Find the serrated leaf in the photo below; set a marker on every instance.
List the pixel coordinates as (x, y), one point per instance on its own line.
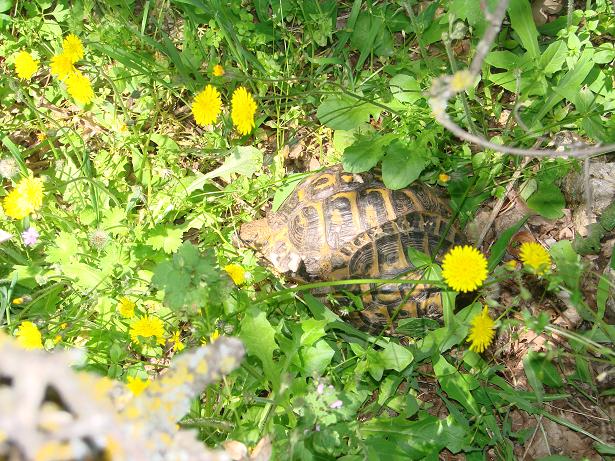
(258, 336)
(165, 238)
(455, 384)
(402, 164)
(396, 357)
(66, 249)
(548, 200)
(405, 88)
(365, 152)
(84, 276)
(345, 112)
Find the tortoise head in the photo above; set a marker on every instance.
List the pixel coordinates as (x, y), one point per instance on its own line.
(255, 234)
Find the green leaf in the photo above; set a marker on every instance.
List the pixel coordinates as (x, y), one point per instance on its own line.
(313, 330)
(66, 249)
(85, 277)
(5, 5)
(405, 88)
(396, 357)
(345, 112)
(543, 369)
(283, 192)
(522, 22)
(553, 58)
(532, 376)
(413, 440)
(502, 59)
(315, 359)
(242, 160)
(365, 152)
(498, 250)
(258, 336)
(165, 238)
(548, 200)
(568, 263)
(455, 384)
(402, 164)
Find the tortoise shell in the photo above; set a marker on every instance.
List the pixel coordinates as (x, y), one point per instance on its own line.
(341, 226)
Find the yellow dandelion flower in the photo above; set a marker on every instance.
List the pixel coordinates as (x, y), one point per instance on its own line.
(57, 339)
(206, 106)
(236, 272)
(464, 268)
(25, 65)
(73, 47)
(535, 256)
(126, 307)
(136, 385)
(214, 336)
(32, 189)
(147, 327)
(243, 108)
(177, 343)
(80, 88)
(29, 336)
(62, 66)
(443, 177)
(482, 331)
(218, 70)
(16, 206)
(462, 80)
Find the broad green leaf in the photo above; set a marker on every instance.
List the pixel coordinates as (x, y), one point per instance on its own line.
(283, 192)
(568, 263)
(165, 238)
(86, 277)
(405, 88)
(365, 152)
(396, 357)
(345, 112)
(242, 160)
(567, 87)
(315, 359)
(413, 440)
(313, 330)
(522, 22)
(502, 59)
(258, 336)
(553, 58)
(456, 384)
(548, 200)
(5, 5)
(66, 249)
(402, 164)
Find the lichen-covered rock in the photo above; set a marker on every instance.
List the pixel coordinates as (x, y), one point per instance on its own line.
(49, 412)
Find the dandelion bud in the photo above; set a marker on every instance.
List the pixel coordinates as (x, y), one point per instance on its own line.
(8, 167)
(99, 239)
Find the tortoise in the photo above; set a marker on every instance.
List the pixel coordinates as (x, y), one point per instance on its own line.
(340, 226)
